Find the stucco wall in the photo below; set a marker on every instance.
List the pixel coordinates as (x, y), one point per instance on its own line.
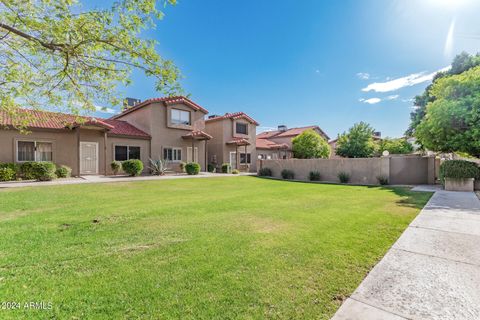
(399, 170)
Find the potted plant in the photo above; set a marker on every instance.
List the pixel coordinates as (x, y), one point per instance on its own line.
(458, 175)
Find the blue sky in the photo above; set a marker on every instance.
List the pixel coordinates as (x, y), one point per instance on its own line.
(329, 63)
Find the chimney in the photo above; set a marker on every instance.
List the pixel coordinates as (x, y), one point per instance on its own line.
(282, 128)
(213, 116)
(131, 102)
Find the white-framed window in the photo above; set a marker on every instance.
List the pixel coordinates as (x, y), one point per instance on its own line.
(172, 154)
(180, 117)
(244, 159)
(241, 128)
(123, 153)
(34, 151)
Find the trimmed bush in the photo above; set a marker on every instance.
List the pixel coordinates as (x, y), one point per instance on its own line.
(287, 174)
(7, 174)
(265, 172)
(314, 176)
(458, 169)
(343, 177)
(383, 180)
(210, 168)
(192, 168)
(132, 167)
(42, 171)
(226, 168)
(115, 166)
(13, 166)
(63, 172)
(235, 171)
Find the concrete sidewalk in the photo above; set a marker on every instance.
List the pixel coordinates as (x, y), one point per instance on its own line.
(113, 179)
(431, 272)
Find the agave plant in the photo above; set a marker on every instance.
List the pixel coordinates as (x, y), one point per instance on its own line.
(158, 167)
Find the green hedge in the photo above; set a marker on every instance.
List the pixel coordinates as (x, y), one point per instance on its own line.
(226, 168)
(42, 171)
(13, 167)
(287, 174)
(210, 168)
(7, 174)
(132, 167)
(314, 176)
(265, 172)
(63, 172)
(459, 169)
(115, 166)
(192, 168)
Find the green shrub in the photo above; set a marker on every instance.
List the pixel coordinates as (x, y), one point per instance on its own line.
(7, 174)
(192, 168)
(42, 171)
(210, 168)
(383, 180)
(115, 166)
(287, 174)
(343, 177)
(235, 171)
(63, 172)
(15, 167)
(132, 167)
(226, 168)
(314, 176)
(458, 169)
(265, 172)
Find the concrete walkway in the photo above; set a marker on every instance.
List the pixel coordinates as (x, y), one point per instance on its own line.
(431, 272)
(112, 179)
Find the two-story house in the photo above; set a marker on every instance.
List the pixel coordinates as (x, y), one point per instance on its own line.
(277, 144)
(168, 128)
(233, 141)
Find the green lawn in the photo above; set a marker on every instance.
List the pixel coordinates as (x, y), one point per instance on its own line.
(217, 248)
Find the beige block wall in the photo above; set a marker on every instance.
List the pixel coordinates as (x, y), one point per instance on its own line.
(407, 170)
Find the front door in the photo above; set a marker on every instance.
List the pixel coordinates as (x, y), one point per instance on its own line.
(233, 160)
(88, 158)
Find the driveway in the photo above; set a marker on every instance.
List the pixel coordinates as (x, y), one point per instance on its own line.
(431, 272)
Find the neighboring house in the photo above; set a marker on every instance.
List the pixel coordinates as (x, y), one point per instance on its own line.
(277, 144)
(233, 141)
(166, 128)
(333, 145)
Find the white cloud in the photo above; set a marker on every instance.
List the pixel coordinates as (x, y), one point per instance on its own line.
(363, 75)
(104, 110)
(393, 97)
(371, 100)
(407, 81)
(266, 129)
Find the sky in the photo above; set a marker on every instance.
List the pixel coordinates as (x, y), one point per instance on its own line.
(312, 62)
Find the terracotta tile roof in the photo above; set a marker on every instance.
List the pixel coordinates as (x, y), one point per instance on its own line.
(166, 100)
(198, 134)
(289, 132)
(239, 142)
(268, 144)
(55, 120)
(234, 115)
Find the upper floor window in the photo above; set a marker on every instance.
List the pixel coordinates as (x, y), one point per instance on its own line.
(180, 117)
(123, 153)
(241, 128)
(34, 151)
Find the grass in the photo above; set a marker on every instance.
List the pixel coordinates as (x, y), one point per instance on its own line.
(217, 248)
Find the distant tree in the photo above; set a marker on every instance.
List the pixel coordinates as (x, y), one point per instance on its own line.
(357, 142)
(452, 120)
(395, 146)
(56, 54)
(309, 144)
(461, 63)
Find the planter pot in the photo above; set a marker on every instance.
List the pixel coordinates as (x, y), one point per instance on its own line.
(453, 184)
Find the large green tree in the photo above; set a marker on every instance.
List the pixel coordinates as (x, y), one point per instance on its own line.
(452, 120)
(461, 63)
(56, 54)
(357, 142)
(309, 144)
(395, 146)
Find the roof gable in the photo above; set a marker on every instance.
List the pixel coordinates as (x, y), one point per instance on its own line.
(292, 132)
(234, 116)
